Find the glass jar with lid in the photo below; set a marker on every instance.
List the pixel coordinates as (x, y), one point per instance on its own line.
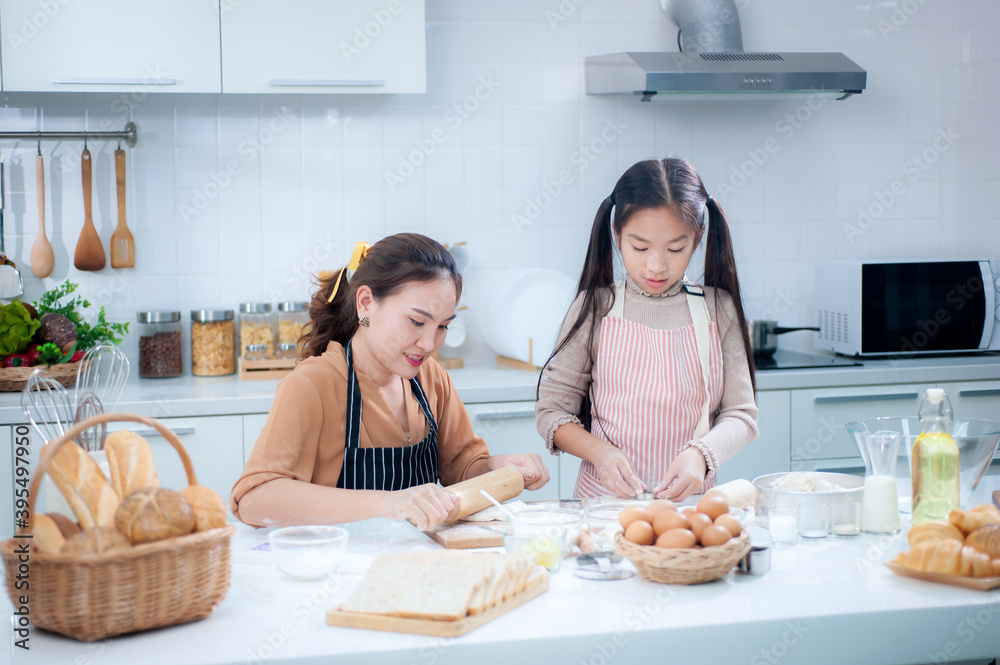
(292, 316)
(257, 326)
(213, 339)
(159, 344)
(287, 351)
(256, 352)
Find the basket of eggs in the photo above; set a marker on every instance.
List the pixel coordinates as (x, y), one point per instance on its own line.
(682, 546)
(138, 557)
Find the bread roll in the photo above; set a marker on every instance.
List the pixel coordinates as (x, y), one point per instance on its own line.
(83, 485)
(154, 513)
(209, 508)
(968, 521)
(49, 538)
(96, 541)
(68, 527)
(934, 531)
(986, 539)
(131, 462)
(946, 556)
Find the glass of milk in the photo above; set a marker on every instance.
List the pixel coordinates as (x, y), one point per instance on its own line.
(879, 505)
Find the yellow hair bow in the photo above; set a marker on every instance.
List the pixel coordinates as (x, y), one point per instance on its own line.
(360, 252)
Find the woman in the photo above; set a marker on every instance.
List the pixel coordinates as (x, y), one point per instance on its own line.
(368, 423)
(666, 363)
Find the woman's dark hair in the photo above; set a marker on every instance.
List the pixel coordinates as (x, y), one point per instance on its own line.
(669, 183)
(389, 265)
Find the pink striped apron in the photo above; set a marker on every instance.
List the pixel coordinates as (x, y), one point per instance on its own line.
(649, 394)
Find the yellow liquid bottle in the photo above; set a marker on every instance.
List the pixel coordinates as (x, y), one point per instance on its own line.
(935, 461)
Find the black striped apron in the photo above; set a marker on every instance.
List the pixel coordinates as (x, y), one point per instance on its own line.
(395, 468)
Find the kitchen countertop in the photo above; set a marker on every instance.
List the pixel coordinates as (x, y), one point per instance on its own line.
(829, 601)
(203, 396)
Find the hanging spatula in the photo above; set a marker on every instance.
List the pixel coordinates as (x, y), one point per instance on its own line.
(42, 257)
(89, 251)
(11, 285)
(122, 244)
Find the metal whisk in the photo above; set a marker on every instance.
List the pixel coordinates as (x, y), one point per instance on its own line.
(47, 405)
(92, 438)
(104, 371)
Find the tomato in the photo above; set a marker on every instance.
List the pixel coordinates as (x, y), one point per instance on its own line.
(77, 356)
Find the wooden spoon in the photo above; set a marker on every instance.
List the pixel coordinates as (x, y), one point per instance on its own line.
(89, 251)
(42, 257)
(122, 244)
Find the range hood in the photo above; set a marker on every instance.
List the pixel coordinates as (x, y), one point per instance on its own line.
(710, 63)
(718, 74)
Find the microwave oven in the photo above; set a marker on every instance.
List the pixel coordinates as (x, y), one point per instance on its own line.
(911, 307)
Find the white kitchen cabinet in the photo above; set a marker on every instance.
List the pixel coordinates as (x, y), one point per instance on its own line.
(253, 423)
(508, 428)
(111, 46)
(974, 399)
(324, 46)
(770, 453)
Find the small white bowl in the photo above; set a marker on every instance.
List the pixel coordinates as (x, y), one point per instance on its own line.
(308, 552)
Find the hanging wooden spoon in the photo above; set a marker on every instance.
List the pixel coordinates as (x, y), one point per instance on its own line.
(89, 251)
(42, 257)
(122, 244)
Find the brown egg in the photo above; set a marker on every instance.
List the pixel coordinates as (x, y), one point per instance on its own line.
(670, 519)
(676, 538)
(713, 506)
(730, 522)
(630, 514)
(698, 523)
(715, 535)
(659, 506)
(640, 532)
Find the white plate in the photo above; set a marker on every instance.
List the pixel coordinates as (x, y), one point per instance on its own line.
(533, 308)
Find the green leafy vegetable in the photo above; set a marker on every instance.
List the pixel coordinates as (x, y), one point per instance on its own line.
(16, 328)
(49, 354)
(75, 309)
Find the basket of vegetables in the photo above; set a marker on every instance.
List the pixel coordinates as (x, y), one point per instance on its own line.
(54, 332)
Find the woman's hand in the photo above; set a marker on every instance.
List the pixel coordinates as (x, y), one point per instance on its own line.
(530, 465)
(616, 473)
(685, 476)
(425, 505)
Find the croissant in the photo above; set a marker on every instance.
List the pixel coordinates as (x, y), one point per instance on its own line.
(934, 531)
(968, 521)
(949, 557)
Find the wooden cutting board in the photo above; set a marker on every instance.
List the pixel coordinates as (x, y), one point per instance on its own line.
(335, 617)
(469, 535)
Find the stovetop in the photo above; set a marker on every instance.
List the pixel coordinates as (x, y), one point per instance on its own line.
(797, 360)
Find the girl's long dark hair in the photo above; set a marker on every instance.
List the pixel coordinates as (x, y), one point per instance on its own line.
(390, 264)
(668, 183)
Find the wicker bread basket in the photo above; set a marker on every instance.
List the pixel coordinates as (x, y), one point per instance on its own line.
(93, 597)
(14, 379)
(683, 565)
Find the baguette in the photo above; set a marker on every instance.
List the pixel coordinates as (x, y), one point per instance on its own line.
(947, 556)
(131, 461)
(84, 486)
(49, 538)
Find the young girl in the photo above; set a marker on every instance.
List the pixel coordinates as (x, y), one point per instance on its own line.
(651, 383)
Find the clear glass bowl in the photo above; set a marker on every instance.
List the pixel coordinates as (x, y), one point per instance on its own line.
(977, 444)
(537, 519)
(308, 552)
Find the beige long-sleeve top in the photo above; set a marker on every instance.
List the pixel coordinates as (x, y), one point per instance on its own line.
(566, 380)
(303, 438)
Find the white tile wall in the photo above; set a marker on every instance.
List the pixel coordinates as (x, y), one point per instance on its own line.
(241, 197)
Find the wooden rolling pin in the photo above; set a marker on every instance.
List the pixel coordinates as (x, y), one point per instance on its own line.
(502, 484)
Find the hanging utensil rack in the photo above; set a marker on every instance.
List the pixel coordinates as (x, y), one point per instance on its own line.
(129, 135)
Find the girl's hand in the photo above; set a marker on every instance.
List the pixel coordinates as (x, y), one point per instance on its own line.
(616, 473)
(530, 465)
(426, 506)
(685, 476)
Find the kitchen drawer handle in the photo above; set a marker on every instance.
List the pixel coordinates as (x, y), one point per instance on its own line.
(112, 80)
(506, 415)
(332, 83)
(179, 431)
(837, 399)
(986, 392)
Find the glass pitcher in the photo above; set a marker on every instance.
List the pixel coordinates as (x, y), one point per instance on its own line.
(879, 504)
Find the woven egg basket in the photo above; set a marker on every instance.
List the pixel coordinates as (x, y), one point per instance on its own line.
(683, 565)
(15, 379)
(93, 597)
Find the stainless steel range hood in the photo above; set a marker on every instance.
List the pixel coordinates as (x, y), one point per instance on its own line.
(738, 75)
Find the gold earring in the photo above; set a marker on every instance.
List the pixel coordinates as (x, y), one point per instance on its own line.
(363, 321)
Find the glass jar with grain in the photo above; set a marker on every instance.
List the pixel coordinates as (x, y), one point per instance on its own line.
(292, 317)
(159, 344)
(213, 340)
(257, 326)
